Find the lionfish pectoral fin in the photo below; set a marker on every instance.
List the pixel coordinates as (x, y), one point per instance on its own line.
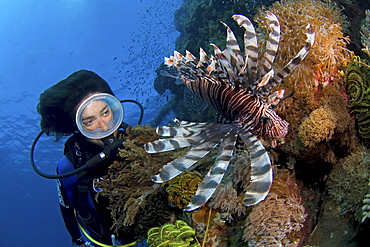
(210, 136)
(214, 176)
(177, 166)
(261, 171)
(184, 129)
(169, 144)
(185, 135)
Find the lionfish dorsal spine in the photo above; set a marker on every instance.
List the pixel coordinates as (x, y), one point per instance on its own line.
(272, 44)
(293, 63)
(228, 67)
(250, 48)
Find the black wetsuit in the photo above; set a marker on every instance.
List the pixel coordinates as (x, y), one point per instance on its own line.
(77, 193)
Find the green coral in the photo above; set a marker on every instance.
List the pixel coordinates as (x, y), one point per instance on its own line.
(178, 234)
(358, 89)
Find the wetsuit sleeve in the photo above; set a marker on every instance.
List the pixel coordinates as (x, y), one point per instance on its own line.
(66, 188)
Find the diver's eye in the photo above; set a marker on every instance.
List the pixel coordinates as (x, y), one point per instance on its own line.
(88, 123)
(265, 120)
(106, 113)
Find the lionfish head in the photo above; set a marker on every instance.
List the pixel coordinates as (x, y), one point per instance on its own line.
(270, 125)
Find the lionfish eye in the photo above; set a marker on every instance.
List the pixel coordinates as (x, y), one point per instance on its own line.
(265, 120)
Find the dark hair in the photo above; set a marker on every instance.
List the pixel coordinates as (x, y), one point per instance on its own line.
(58, 103)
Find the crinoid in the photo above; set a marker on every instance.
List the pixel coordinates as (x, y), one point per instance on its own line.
(178, 234)
(239, 88)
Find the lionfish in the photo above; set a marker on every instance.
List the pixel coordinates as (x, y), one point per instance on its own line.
(239, 88)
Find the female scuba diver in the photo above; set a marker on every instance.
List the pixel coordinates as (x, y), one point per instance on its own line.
(83, 105)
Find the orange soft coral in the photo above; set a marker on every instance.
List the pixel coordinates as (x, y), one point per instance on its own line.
(329, 51)
(319, 126)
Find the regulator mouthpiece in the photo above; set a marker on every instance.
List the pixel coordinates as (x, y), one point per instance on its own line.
(99, 116)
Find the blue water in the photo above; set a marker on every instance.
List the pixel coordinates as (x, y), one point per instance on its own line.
(42, 42)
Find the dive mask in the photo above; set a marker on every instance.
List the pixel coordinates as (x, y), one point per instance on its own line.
(99, 116)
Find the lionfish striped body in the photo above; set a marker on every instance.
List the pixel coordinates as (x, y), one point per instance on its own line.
(239, 88)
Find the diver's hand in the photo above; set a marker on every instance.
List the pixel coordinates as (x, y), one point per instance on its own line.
(109, 153)
(111, 150)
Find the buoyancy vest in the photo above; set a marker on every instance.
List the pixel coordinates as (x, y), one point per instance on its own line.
(92, 216)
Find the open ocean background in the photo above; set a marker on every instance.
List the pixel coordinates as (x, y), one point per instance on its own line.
(41, 43)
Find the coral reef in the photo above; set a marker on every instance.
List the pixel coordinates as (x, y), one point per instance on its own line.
(133, 198)
(326, 186)
(213, 230)
(357, 76)
(365, 33)
(366, 207)
(280, 219)
(178, 234)
(317, 82)
(329, 51)
(319, 126)
(348, 182)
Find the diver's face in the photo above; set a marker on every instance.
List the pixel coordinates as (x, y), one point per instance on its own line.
(96, 115)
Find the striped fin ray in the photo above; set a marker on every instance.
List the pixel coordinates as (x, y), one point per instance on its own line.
(261, 171)
(292, 63)
(185, 135)
(225, 63)
(185, 129)
(169, 144)
(177, 166)
(201, 146)
(191, 68)
(232, 52)
(214, 176)
(250, 49)
(272, 44)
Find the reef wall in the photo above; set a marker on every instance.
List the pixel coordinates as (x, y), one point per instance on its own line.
(322, 171)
